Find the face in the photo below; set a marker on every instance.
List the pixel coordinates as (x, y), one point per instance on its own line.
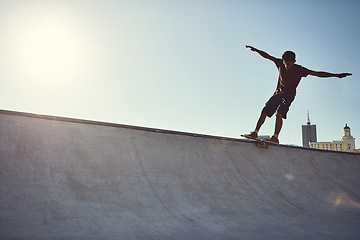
(289, 64)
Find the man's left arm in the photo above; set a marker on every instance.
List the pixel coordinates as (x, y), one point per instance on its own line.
(327, 74)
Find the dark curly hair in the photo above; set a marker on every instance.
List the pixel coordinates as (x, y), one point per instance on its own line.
(288, 56)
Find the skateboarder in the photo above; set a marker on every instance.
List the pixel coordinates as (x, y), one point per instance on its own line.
(290, 75)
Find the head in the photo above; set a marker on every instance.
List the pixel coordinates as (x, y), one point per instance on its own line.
(289, 59)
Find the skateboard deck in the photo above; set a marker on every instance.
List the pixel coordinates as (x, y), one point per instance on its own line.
(260, 142)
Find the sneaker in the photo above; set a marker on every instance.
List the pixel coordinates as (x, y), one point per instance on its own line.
(273, 139)
(252, 135)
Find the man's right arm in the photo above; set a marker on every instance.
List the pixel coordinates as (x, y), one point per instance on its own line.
(262, 53)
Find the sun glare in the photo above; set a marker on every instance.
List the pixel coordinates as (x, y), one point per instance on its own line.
(47, 49)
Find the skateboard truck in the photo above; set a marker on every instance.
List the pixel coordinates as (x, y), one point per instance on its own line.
(260, 142)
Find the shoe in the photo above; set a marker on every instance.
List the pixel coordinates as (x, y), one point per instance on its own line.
(272, 139)
(252, 135)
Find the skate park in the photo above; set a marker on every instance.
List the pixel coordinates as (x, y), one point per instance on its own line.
(65, 178)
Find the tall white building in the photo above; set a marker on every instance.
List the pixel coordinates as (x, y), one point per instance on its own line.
(308, 133)
(346, 144)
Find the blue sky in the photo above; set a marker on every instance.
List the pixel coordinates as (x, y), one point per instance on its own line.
(180, 65)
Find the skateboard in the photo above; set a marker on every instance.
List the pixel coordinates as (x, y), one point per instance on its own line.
(260, 142)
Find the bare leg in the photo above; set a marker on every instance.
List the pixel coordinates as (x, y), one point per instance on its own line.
(278, 124)
(261, 121)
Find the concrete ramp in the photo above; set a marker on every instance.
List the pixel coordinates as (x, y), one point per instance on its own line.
(74, 179)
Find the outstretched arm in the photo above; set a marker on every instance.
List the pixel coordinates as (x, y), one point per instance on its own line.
(262, 53)
(326, 74)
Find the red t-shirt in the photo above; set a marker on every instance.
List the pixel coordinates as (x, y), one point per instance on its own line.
(289, 79)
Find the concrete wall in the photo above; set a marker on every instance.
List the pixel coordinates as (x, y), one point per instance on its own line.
(72, 179)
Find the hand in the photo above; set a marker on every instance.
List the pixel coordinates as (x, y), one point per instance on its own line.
(342, 75)
(251, 48)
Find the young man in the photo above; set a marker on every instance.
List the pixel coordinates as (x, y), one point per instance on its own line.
(290, 75)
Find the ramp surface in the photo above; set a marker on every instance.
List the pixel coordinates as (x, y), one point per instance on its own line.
(73, 179)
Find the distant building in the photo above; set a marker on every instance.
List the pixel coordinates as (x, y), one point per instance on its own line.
(346, 144)
(308, 133)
